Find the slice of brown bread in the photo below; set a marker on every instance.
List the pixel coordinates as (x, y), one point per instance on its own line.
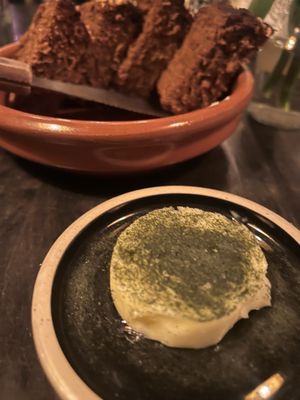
(113, 26)
(165, 26)
(57, 43)
(144, 5)
(203, 70)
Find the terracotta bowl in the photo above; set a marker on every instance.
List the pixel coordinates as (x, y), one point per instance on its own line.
(114, 147)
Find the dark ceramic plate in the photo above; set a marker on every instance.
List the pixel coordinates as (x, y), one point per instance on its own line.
(116, 363)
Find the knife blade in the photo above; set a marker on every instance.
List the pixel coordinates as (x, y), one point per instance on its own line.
(17, 77)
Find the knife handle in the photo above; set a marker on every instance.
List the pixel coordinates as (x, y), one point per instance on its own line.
(15, 76)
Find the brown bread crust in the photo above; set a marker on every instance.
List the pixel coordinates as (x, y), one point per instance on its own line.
(203, 70)
(164, 29)
(112, 27)
(57, 43)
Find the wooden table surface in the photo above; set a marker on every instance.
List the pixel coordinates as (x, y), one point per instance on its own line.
(38, 203)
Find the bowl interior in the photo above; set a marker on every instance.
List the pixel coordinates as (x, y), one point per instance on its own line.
(120, 364)
(57, 105)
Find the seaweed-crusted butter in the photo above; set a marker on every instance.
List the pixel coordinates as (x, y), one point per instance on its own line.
(184, 276)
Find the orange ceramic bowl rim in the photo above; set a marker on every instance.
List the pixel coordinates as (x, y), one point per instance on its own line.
(205, 118)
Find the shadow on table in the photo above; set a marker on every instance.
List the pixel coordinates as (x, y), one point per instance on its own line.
(277, 147)
(209, 170)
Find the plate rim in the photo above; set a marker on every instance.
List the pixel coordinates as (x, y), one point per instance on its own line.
(62, 377)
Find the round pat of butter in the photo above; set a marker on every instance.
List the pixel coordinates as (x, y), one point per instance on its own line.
(184, 276)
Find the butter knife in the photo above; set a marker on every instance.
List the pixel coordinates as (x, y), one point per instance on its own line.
(17, 77)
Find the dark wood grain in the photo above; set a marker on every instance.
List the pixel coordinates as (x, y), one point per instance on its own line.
(38, 203)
